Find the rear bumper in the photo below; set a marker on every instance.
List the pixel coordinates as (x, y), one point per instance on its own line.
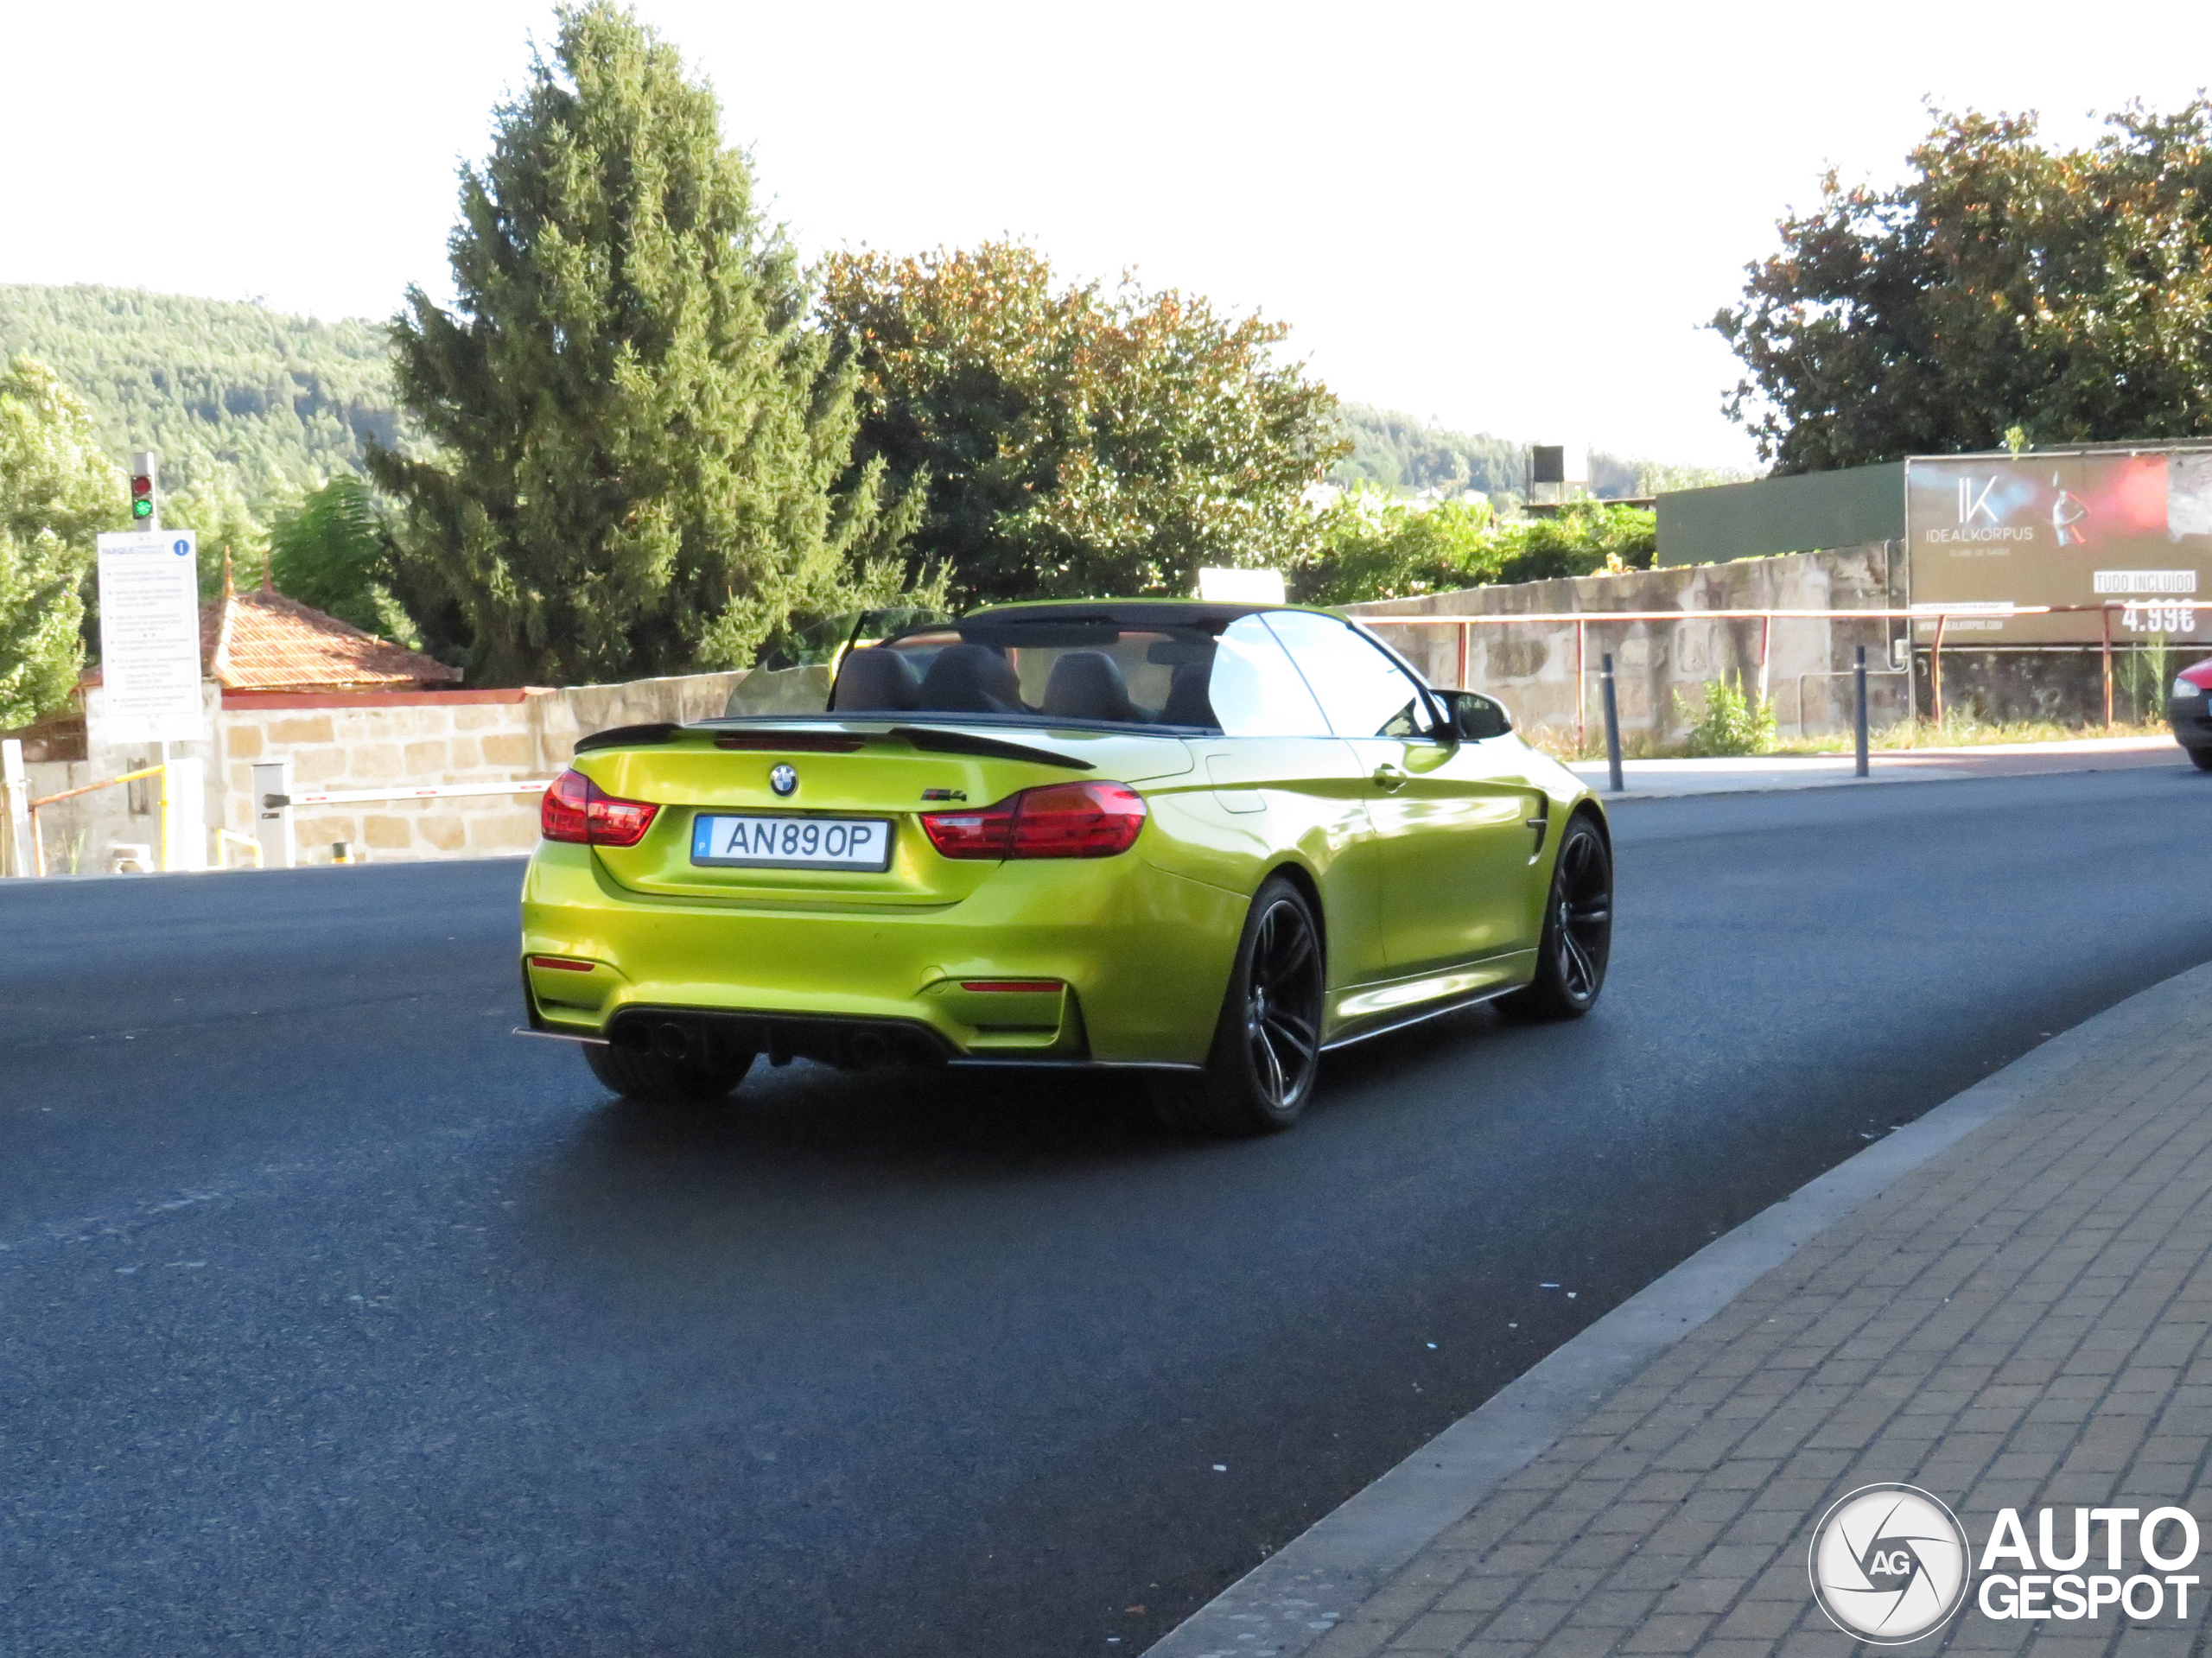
(1126, 965)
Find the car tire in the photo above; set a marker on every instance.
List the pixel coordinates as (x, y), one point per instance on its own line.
(1578, 935)
(1267, 1046)
(2200, 758)
(642, 1074)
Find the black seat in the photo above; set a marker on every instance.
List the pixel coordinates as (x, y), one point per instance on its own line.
(971, 679)
(874, 679)
(1188, 702)
(1086, 685)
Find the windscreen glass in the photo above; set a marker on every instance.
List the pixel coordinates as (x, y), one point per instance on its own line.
(1363, 692)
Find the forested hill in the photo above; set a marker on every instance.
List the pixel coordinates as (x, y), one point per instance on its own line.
(1411, 457)
(227, 393)
(236, 395)
(1408, 455)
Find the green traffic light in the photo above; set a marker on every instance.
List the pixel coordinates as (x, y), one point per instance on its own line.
(142, 509)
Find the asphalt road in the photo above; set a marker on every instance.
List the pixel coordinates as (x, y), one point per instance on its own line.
(335, 1320)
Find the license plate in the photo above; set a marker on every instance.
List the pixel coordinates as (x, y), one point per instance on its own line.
(751, 842)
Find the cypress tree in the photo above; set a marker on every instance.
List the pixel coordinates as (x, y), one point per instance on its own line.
(638, 438)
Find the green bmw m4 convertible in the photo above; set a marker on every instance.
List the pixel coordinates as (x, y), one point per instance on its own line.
(1206, 841)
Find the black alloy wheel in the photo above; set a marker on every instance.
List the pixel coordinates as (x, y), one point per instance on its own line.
(1578, 934)
(1267, 1048)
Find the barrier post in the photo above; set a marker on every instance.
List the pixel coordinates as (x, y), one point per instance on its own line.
(1582, 688)
(1612, 728)
(272, 824)
(1936, 668)
(184, 814)
(16, 781)
(2106, 613)
(1859, 709)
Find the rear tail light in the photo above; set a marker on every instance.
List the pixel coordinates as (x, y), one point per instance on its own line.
(575, 810)
(1061, 820)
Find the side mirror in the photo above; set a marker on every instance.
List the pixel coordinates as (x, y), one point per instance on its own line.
(1475, 716)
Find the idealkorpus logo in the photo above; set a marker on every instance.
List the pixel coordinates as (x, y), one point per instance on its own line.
(1889, 1564)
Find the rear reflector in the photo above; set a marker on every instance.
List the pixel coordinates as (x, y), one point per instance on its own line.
(561, 964)
(1061, 820)
(1019, 987)
(574, 810)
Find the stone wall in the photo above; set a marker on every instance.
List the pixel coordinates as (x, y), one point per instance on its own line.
(1661, 668)
(337, 743)
(79, 835)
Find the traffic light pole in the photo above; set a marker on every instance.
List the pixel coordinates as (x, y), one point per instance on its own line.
(145, 478)
(146, 514)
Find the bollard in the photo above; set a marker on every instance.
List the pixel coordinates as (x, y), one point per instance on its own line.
(272, 813)
(1858, 710)
(1613, 726)
(15, 781)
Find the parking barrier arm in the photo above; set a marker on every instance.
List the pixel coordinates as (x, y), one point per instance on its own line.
(435, 791)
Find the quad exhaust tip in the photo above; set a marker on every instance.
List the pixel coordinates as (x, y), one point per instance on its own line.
(852, 1046)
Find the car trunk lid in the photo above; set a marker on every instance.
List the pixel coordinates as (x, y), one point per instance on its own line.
(836, 773)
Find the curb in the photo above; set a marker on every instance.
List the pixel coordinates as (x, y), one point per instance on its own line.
(1289, 1601)
(1878, 775)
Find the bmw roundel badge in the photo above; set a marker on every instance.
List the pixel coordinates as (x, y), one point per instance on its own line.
(784, 780)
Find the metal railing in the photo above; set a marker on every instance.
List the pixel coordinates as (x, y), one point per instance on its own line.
(38, 835)
(1582, 620)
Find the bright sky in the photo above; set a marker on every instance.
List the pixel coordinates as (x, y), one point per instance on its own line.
(1512, 218)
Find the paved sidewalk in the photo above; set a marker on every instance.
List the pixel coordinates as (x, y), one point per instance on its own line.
(2018, 1321)
(1660, 778)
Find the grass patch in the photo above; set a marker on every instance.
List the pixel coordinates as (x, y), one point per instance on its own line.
(1965, 731)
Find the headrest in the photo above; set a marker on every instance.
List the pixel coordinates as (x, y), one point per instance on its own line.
(1086, 685)
(875, 679)
(1188, 702)
(971, 679)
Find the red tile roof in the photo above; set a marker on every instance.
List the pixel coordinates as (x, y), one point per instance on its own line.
(262, 641)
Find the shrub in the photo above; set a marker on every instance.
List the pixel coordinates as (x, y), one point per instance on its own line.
(1731, 722)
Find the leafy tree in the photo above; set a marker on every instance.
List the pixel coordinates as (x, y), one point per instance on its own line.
(57, 492)
(639, 439)
(339, 550)
(1077, 441)
(1374, 546)
(2004, 285)
(227, 527)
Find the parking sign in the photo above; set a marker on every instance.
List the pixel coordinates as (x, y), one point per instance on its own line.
(149, 637)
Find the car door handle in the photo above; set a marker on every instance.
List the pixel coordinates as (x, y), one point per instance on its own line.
(1389, 778)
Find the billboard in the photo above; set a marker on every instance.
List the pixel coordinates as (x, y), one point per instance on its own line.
(2133, 530)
